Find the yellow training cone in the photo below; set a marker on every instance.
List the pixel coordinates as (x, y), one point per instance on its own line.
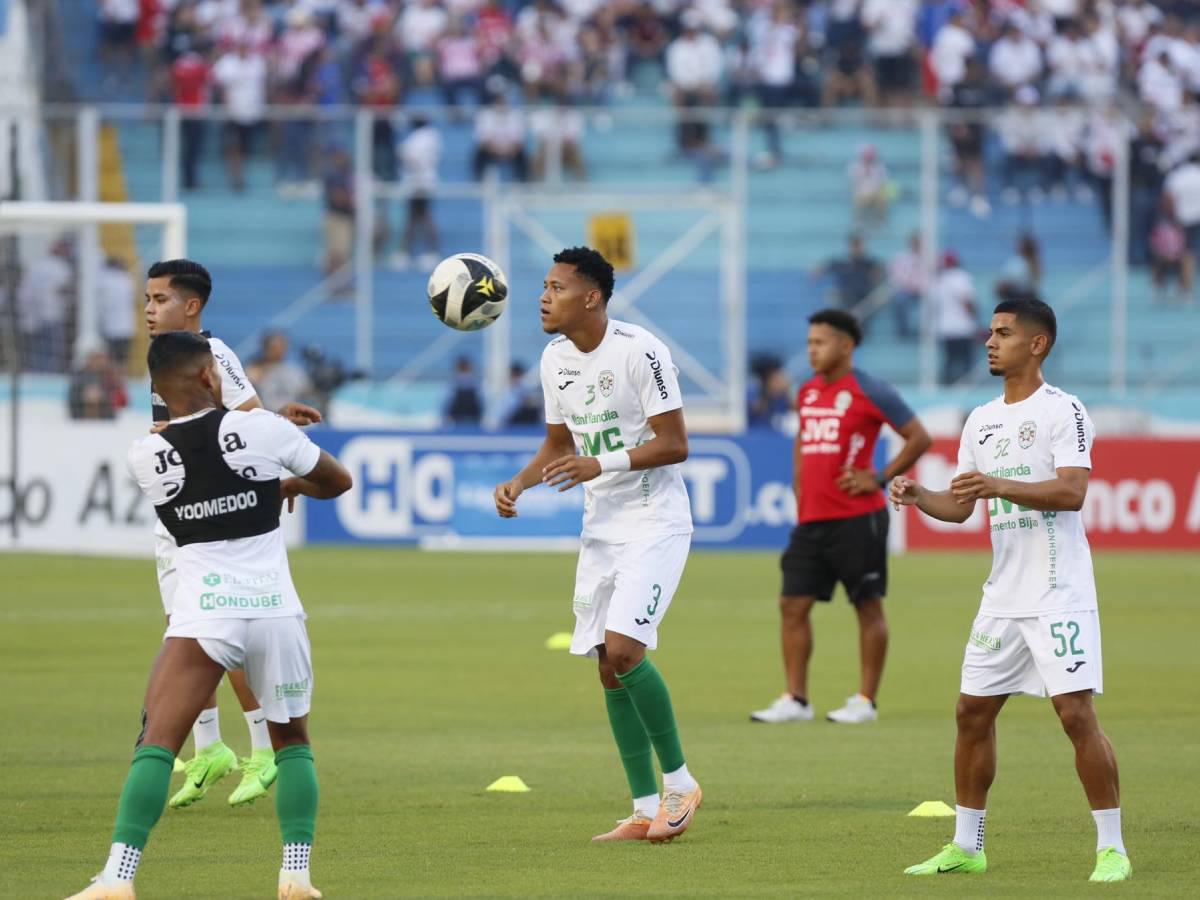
(559, 641)
(933, 808)
(509, 784)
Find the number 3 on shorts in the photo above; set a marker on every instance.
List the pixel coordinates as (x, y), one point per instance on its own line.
(1063, 645)
(653, 607)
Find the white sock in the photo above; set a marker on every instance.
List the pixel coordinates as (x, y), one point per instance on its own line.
(122, 864)
(295, 862)
(260, 738)
(646, 806)
(207, 729)
(679, 780)
(1108, 829)
(968, 828)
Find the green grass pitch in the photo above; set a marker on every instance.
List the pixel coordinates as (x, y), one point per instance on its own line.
(432, 681)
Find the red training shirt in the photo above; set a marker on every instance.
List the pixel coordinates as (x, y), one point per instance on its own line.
(839, 424)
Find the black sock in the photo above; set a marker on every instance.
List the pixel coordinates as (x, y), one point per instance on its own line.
(803, 701)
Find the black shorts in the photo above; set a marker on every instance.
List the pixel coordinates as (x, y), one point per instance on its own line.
(852, 551)
(894, 73)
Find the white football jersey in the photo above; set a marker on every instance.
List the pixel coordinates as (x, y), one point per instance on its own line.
(605, 398)
(243, 578)
(1041, 561)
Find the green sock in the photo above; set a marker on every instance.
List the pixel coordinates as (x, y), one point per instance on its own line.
(296, 794)
(144, 795)
(652, 701)
(632, 742)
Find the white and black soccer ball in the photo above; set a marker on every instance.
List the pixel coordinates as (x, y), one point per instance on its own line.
(468, 291)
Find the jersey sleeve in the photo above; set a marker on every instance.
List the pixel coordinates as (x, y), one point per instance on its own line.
(260, 444)
(155, 466)
(554, 413)
(895, 411)
(1072, 435)
(656, 378)
(236, 388)
(966, 450)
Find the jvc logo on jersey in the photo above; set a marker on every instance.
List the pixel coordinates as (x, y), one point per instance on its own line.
(820, 430)
(656, 368)
(1080, 434)
(609, 439)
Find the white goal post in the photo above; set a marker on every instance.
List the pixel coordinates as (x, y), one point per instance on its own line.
(19, 217)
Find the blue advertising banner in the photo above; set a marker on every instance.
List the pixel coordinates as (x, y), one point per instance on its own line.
(415, 487)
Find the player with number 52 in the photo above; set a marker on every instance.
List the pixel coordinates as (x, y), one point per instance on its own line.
(1027, 454)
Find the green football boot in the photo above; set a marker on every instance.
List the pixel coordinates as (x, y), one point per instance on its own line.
(258, 774)
(202, 771)
(178, 767)
(951, 858)
(1112, 865)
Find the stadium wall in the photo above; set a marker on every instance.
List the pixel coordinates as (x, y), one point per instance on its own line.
(73, 493)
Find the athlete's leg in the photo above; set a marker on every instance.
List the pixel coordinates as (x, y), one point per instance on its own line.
(796, 637)
(975, 748)
(635, 750)
(1094, 758)
(296, 799)
(182, 676)
(872, 645)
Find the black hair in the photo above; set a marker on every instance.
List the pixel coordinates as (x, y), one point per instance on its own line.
(173, 352)
(1028, 308)
(591, 265)
(839, 319)
(185, 274)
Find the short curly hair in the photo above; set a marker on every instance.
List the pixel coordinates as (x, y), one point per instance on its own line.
(591, 265)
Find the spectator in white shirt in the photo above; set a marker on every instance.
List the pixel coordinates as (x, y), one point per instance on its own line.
(871, 190)
(42, 306)
(1102, 60)
(906, 278)
(459, 67)
(956, 322)
(772, 57)
(1181, 192)
(1159, 84)
(500, 138)
(1135, 19)
(420, 26)
(1064, 11)
(420, 154)
(558, 138)
(694, 69)
(242, 78)
(115, 295)
(118, 33)
(1068, 60)
(1015, 60)
(952, 46)
(1021, 132)
(891, 36)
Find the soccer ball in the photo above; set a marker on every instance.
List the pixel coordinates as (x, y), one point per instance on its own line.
(468, 291)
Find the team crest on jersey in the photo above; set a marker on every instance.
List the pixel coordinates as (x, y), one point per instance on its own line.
(811, 397)
(843, 400)
(605, 382)
(1027, 434)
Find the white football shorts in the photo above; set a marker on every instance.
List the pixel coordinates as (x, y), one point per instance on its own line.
(626, 588)
(274, 653)
(1042, 656)
(165, 549)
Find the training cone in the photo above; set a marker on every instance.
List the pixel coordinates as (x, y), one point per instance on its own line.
(931, 808)
(559, 641)
(509, 784)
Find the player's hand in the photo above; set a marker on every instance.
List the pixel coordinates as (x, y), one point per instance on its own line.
(299, 414)
(568, 471)
(971, 486)
(506, 496)
(289, 490)
(903, 492)
(857, 482)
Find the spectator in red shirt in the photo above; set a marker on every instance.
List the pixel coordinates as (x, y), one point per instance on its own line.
(191, 78)
(842, 513)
